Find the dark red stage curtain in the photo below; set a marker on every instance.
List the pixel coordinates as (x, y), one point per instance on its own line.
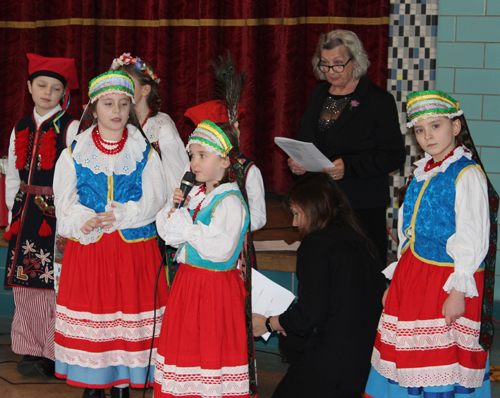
(272, 40)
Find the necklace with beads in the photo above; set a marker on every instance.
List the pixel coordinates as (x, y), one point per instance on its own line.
(202, 189)
(109, 148)
(431, 164)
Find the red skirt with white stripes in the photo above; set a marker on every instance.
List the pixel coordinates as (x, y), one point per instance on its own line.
(106, 311)
(414, 347)
(203, 342)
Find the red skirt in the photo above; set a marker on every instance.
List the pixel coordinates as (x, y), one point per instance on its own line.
(106, 311)
(203, 342)
(414, 347)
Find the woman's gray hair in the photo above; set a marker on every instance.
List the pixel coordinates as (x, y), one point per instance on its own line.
(354, 47)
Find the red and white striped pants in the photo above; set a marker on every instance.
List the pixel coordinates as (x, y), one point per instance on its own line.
(33, 326)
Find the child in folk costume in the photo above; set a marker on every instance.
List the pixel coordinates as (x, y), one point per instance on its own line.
(203, 348)
(431, 339)
(217, 112)
(109, 185)
(158, 126)
(35, 145)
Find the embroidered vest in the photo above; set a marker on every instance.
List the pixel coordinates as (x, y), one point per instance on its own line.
(120, 188)
(42, 177)
(429, 214)
(204, 216)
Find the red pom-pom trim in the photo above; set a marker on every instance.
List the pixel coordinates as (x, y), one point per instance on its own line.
(21, 148)
(15, 227)
(48, 150)
(14, 230)
(7, 235)
(45, 229)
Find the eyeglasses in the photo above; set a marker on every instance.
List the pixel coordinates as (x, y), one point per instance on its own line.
(336, 68)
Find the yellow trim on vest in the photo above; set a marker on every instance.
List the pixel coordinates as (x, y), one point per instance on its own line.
(135, 240)
(465, 169)
(209, 269)
(229, 194)
(160, 23)
(111, 187)
(414, 216)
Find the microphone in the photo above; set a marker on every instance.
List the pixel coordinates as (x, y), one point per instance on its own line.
(187, 184)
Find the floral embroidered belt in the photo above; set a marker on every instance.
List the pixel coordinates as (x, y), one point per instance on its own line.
(36, 189)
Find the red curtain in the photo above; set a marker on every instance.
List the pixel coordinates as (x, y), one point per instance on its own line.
(272, 40)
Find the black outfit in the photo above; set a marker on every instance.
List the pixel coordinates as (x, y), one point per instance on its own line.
(339, 304)
(368, 138)
(23, 268)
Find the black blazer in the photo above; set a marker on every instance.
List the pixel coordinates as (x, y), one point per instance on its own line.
(366, 136)
(339, 305)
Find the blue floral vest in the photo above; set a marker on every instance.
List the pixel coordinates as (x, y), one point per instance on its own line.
(204, 216)
(429, 214)
(120, 188)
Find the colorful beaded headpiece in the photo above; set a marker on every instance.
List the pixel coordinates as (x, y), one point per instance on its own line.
(139, 65)
(426, 104)
(212, 137)
(112, 82)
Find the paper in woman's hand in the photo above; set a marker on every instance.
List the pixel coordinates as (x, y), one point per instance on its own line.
(269, 298)
(304, 153)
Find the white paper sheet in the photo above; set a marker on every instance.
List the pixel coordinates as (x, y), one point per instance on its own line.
(304, 153)
(269, 298)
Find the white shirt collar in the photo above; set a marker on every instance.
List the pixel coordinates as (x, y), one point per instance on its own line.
(40, 119)
(422, 175)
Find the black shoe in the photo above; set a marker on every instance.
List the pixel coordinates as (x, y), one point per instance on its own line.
(27, 365)
(94, 393)
(120, 392)
(46, 368)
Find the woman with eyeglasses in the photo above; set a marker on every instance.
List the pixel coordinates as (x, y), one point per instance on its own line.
(355, 124)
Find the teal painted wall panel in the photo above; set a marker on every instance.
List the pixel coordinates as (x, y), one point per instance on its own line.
(446, 29)
(485, 133)
(452, 55)
(492, 55)
(474, 81)
(6, 298)
(482, 29)
(493, 7)
(491, 159)
(6, 306)
(462, 7)
(445, 79)
(284, 279)
(470, 104)
(491, 108)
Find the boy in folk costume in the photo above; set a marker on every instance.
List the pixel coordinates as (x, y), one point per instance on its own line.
(35, 145)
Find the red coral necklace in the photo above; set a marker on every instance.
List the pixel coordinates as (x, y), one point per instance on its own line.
(113, 147)
(431, 164)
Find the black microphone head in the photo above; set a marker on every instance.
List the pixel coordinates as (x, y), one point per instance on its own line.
(189, 178)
